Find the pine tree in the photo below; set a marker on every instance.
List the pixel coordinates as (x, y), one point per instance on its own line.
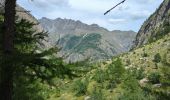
(29, 60)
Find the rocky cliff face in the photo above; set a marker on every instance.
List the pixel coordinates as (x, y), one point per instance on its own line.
(155, 26)
(80, 41)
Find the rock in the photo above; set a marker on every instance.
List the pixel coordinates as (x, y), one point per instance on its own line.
(157, 85)
(87, 98)
(150, 27)
(143, 81)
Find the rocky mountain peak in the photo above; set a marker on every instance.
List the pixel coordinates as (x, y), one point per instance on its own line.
(68, 26)
(80, 41)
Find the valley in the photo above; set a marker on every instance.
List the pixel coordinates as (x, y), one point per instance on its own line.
(66, 59)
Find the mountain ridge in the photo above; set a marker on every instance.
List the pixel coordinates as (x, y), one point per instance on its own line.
(78, 21)
(110, 43)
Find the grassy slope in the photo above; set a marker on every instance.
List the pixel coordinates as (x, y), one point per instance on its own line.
(139, 58)
(143, 57)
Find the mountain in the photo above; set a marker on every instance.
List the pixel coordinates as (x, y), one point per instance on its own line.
(140, 74)
(80, 41)
(156, 26)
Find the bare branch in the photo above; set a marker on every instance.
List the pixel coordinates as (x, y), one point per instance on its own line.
(114, 7)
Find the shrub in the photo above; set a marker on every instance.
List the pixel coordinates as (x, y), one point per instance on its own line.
(80, 87)
(154, 77)
(165, 78)
(97, 95)
(145, 54)
(128, 62)
(137, 73)
(100, 76)
(131, 88)
(115, 71)
(157, 58)
(166, 59)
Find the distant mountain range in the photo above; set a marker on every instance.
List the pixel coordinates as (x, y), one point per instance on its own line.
(80, 41)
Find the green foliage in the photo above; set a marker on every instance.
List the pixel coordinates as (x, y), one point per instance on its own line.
(32, 90)
(145, 54)
(71, 43)
(137, 73)
(80, 87)
(33, 68)
(97, 95)
(160, 92)
(113, 74)
(166, 59)
(115, 71)
(165, 78)
(130, 83)
(128, 62)
(100, 76)
(132, 89)
(154, 77)
(157, 58)
(89, 41)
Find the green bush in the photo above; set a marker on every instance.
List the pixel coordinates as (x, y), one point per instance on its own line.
(145, 54)
(154, 77)
(97, 95)
(25, 89)
(157, 58)
(165, 78)
(131, 90)
(100, 76)
(137, 73)
(80, 87)
(115, 70)
(166, 59)
(115, 73)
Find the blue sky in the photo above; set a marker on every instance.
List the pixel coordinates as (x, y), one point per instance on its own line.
(128, 16)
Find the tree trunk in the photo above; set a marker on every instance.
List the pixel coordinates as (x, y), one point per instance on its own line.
(6, 76)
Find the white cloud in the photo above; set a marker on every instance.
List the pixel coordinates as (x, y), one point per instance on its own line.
(128, 16)
(49, 4)
(117, 21)
(137, 15)
(146, 1)
(90, 5)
